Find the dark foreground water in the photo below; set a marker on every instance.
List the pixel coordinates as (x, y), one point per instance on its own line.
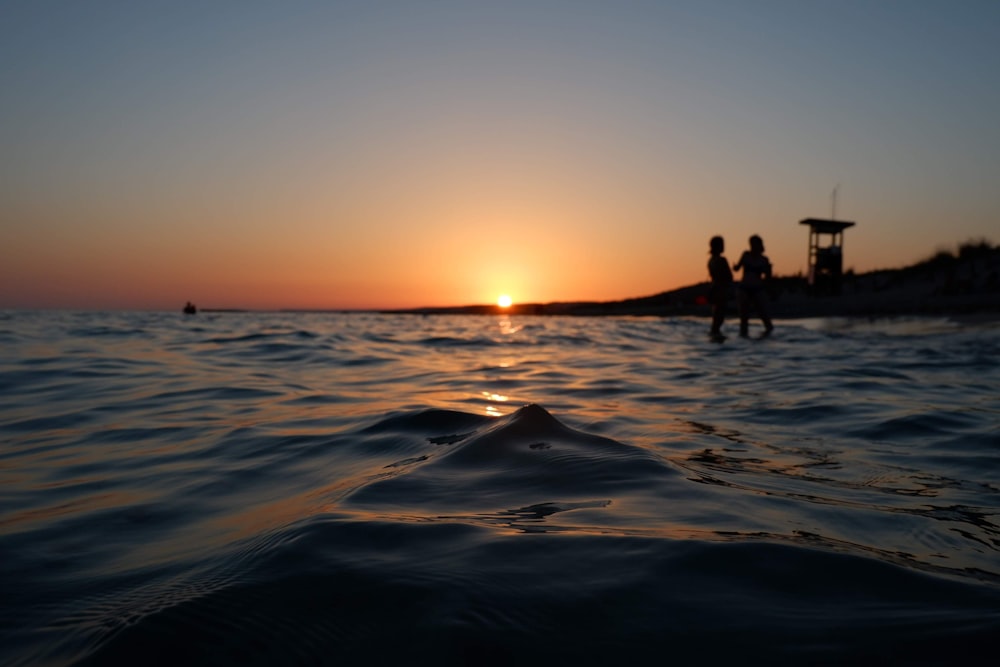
(257, 489)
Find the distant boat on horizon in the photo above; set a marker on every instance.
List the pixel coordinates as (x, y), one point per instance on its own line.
(189, 309)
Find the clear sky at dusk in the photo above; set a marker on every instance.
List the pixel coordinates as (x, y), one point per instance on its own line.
(393, 154)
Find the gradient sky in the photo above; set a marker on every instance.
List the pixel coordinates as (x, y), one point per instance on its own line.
(381, 154)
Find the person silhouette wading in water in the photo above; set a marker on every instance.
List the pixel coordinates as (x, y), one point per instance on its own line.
(722, 285)
(756, 271)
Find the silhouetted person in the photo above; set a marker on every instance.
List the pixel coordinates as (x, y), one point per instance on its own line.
(722, 285)
(756, 271)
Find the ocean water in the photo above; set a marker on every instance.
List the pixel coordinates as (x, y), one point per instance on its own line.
(312, 489)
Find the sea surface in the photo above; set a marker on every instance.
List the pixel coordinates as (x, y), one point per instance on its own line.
(337, 489)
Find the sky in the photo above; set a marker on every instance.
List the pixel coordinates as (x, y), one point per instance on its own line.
(386, 154)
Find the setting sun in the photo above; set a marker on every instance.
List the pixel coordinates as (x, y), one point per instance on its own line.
(504, 301)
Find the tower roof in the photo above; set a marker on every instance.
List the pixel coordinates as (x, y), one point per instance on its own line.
(826, 226)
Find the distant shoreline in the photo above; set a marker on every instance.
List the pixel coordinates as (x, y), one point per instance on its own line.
(889, 304)
(966, 285)
(962, 286)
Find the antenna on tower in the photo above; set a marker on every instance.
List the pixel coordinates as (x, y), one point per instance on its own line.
(833, 202)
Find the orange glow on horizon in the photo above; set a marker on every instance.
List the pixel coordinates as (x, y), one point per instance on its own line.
(504, 301)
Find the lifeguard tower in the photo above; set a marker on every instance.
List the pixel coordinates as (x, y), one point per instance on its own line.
(826, 255)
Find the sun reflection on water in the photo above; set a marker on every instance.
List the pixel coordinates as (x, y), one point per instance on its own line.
(507, 327)
(491, 409)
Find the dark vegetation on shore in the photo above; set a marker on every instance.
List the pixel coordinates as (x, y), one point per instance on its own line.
(966, 282)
